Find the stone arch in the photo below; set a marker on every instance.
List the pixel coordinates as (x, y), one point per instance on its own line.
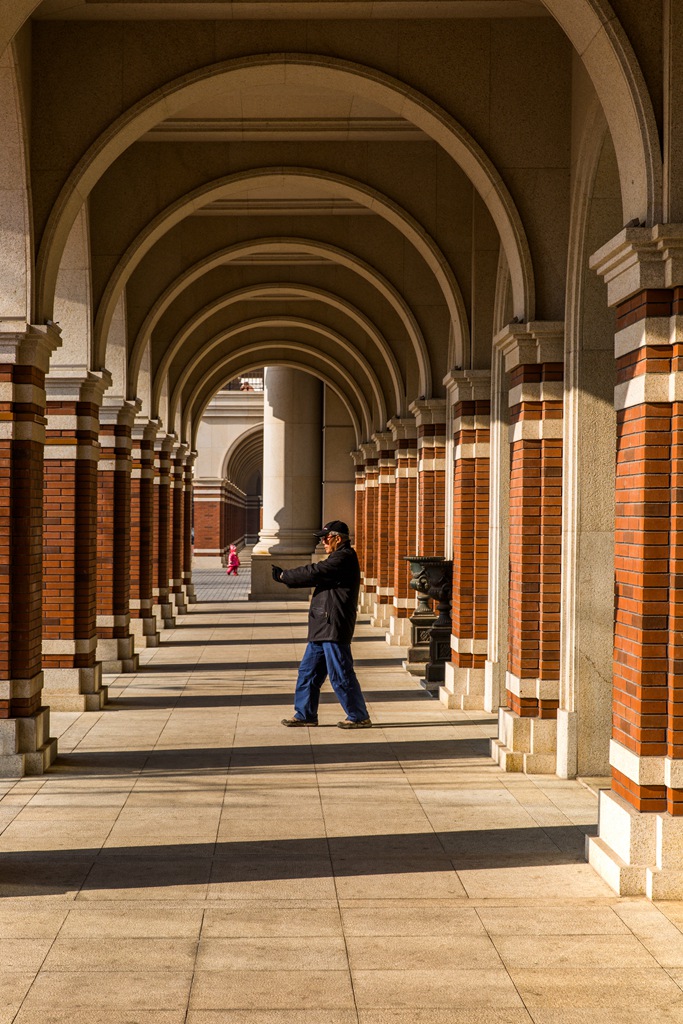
(246, 447)
(73, 297)
(339, 185)
(587, 602)
(16, 234)
(306, 69)
(335, 254)
(307, 291)
(600, 41)
(253, 356)
(308, 326)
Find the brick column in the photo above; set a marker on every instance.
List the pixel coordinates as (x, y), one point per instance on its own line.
(188, 499)
(639, 848)
(73, 675)
(143, 621)
(404, 434)
(469, 393)
(369, 569)
(25, 744)
(359, 508)
(430, 419)
(209, 514)
(179, 454)
(115, 642)
(384, 528)
(527, 734)
(163, 524)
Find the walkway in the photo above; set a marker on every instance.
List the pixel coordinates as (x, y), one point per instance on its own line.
(189, 860)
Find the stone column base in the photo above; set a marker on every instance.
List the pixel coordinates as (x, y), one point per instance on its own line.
(26, 747)
(117, 655)
(165, 613)
(380, 614)
(463, 688)
(525, 744)
(179, 602)
(399, 632)
(145, 632)
(75, 689)
(636, 852)
(367, 601)
(264, 587)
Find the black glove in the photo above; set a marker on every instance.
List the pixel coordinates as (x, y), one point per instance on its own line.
(277, 573)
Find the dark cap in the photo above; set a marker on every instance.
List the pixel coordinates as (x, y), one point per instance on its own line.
(334, 526)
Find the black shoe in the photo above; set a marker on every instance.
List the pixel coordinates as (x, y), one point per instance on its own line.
(364, 723)
(293, 723)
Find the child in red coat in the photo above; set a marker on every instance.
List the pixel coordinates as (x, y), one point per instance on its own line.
(233, 561)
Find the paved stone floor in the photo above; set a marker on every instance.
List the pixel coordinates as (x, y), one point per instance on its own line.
(189, 860)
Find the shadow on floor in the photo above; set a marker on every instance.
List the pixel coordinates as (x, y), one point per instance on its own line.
(286, 860)
(207, 759)
(128, 702)
(253, 666)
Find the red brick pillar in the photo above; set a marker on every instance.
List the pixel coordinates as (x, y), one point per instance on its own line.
(179, 455)
(384, 528)
(25, 744)
(188, 527)
(163, 523)
(470, 398)
(404, 434)
(209, 511)
(115, 642)
(527, 738)
(359, 508)
(369, 577)
(73, 675)
(143, 621)
(430, 419)
(639, 848)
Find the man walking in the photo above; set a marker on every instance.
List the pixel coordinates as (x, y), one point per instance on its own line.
(331, 622)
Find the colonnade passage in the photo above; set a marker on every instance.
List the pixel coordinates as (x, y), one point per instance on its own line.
(188, 859)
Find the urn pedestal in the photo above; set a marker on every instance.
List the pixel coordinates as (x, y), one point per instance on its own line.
(431, 634)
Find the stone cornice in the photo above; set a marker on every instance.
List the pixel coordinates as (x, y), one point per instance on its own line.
(640, 258)
(467, 385)
(30, 347)
(76, 384)
(541, 341)
(403, 429)
(428, 410)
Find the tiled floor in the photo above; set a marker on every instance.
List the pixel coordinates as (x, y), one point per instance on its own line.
(189, 860)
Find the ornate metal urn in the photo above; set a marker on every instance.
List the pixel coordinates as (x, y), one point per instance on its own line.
(432, 577)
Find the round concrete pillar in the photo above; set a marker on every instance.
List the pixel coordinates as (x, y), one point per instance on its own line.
(292, 475)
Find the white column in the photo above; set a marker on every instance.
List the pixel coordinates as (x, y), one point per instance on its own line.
(292, 477)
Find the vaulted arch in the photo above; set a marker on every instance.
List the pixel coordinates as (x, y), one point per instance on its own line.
(287, 245)
(251, 357)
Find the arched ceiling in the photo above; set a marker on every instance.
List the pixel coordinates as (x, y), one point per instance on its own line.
(315, 199)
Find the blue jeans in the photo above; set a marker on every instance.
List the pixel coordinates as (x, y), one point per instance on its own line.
(319, 661)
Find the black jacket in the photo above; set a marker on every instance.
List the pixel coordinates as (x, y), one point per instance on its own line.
(332, 615)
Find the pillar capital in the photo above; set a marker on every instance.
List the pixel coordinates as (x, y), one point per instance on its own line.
(145, 429)
(468, 386)
(30, 347)
(358, 458)
(384, 444)
(76, 383)
(403, 429)
(369, 450)
(428, 411)
(119, 411)
(164, 443)
(639, 259)
(540, 341)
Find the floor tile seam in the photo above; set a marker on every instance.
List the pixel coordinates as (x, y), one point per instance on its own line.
(37, 973)
(336, 892)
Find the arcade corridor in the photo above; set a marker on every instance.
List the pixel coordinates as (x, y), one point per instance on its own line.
(187, 859)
